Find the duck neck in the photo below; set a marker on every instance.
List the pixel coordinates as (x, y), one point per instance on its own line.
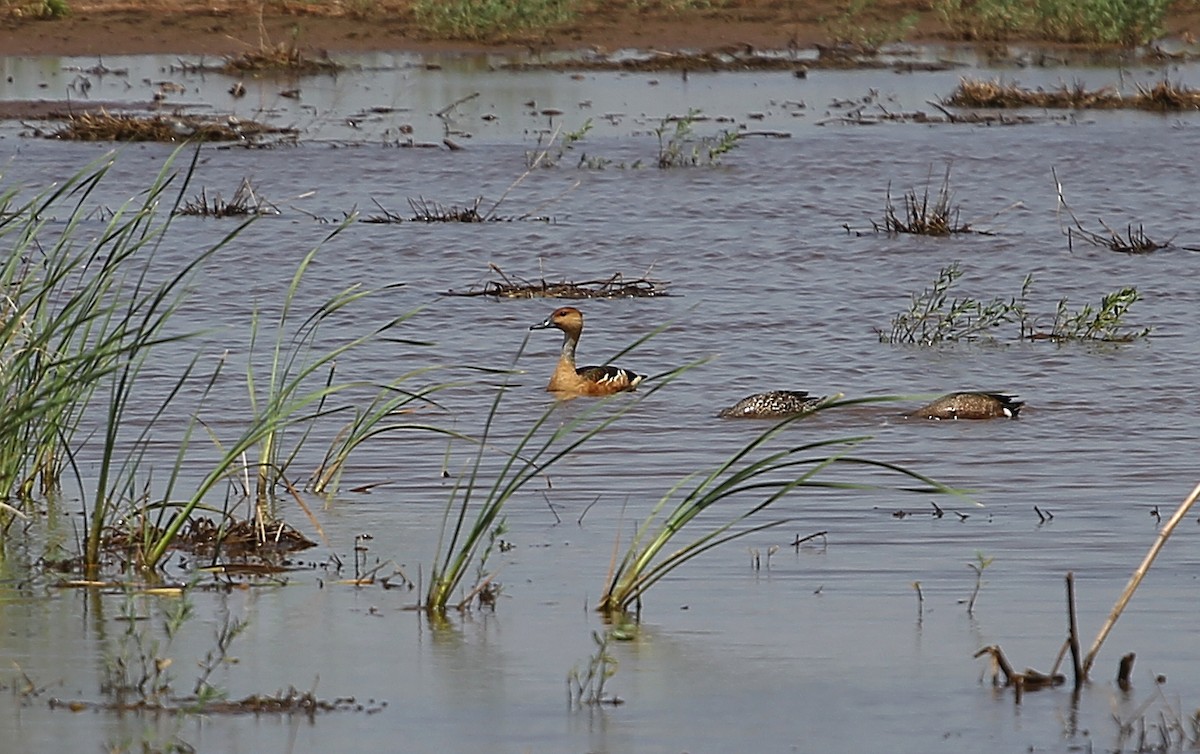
(570, 340)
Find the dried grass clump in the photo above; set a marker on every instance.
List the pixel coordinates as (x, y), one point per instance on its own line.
(105, 126)
(426, 211)
(245, 201)
(1166, 96)
(1163, 96)
(613, 287)
(923, 217)
(203, 536)
(283, 57)
(1131, 242)
(996, 94)
(431, 212)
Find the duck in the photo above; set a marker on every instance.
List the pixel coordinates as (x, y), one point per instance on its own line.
(570, 381)
(775, 404)
(971, 405)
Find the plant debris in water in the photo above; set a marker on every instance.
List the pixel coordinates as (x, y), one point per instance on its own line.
(426, 211)
(1163, 96)
(106, 126)
(203, 536)
(283, 57)
(1133, 242)
(872, 109)
(290, 702)
(616, 286)
(939, 218)
(245, 201)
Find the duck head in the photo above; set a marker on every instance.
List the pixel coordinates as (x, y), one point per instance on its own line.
(566, 318)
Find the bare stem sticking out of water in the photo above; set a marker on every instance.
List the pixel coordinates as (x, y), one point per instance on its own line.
(1132, 242)
(979, 566)
(1138, 575)
(1073, 633)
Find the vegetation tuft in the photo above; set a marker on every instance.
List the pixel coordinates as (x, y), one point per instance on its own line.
(493, 20)
(934, 318)
(245, 201)
(1163, 96)
(1132, 242)
(586, 688)
(105, 126)
(39, 9)
(83, 318)
(616, 286)
(923, 217)
(862, 29)
(679, 147)
(1104, 322)
(1128, 23)
(285, 57)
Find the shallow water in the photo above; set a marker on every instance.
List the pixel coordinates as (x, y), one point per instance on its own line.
(822, 648)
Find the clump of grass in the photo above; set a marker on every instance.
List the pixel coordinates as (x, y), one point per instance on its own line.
(998, 94)
(285, 57)
(282, 57)
(586, 688)
(678, 146)
(547, 155)
(755, 473)
(105, 126)
(923, 217)
(492, 19)
(1128, 23)
(934, 317)
(43, 9)
(431, 212)
(616, 286)
(1167, 97)
(861, 27)
(1163, 96)
(245, 201)
(1132, 242)
(674, 6)
(1104, 322)
(82, 320)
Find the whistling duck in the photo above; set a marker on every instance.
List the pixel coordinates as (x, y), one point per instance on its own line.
(971, 406)
(777, 404)
(569, 380)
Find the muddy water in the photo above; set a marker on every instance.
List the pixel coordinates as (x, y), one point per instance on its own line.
(822, 648)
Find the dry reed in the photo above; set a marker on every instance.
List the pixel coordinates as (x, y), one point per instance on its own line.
(1163, 96)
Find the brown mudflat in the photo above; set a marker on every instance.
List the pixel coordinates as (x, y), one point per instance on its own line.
(222, 27)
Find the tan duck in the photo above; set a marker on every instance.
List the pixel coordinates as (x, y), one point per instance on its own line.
(776, 404)
(568, 380)
(971, 405)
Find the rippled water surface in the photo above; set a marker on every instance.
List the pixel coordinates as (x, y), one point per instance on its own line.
(777, 281)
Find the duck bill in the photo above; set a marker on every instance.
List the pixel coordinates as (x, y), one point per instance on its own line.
(543, 325)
